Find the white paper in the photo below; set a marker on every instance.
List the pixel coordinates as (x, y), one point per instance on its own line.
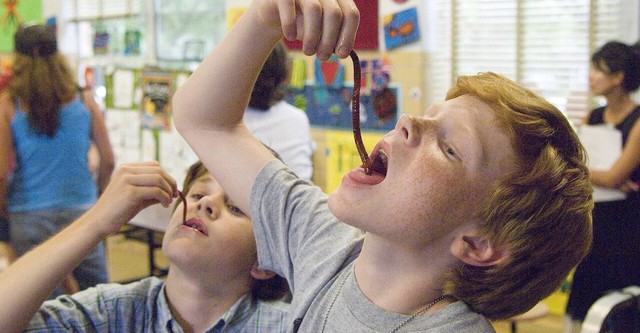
(123, 87)
(603, 144)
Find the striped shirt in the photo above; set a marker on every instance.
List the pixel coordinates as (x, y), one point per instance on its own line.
(142, 307)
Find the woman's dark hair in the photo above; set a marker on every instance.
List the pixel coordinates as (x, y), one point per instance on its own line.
(267, 88)
(620, 58)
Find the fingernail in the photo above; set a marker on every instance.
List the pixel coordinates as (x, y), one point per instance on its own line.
(343, 51)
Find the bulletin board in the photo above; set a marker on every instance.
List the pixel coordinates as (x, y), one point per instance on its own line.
(331, 107)
(12, 14)
(139, 118)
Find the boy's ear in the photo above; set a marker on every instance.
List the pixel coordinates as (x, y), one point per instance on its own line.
(261, 274)
(477, 251)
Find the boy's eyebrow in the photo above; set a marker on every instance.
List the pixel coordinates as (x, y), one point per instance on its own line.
(204, 179)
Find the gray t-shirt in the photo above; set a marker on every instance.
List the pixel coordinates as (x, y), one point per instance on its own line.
(300, 239)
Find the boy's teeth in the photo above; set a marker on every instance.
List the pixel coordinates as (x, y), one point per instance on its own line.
(383, 157)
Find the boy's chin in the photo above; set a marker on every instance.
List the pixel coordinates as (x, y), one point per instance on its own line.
(340, 208)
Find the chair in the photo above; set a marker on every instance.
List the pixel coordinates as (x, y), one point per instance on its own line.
(153, 239)
(615, 312)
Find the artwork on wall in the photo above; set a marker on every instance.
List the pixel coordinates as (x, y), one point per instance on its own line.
(329, 73)
(331, 107)
(12, 14)
(401, 28)
(122, 88)
(328, 100)
(157, 88)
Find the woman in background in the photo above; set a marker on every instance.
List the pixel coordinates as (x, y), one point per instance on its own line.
(278, 124)
(47, 125)
(614, 261)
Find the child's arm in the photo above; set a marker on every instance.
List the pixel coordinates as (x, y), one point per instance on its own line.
(100, 137)
(209, 107)
(27, 283)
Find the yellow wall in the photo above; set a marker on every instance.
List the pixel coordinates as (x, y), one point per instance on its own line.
(336, 154)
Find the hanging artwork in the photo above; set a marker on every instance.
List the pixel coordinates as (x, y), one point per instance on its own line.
(329, 73)
(401, 28)
(298, 73)
(12, 14)
(157, 89)
(331, 107)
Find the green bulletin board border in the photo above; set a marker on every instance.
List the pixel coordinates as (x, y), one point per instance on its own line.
(27, 11)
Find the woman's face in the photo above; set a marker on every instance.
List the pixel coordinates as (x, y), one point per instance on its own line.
(601, 81)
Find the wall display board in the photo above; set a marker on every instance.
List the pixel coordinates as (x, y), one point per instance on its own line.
(331, 107)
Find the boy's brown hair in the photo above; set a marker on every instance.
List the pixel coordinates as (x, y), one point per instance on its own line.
(270, 289)
(540, 214)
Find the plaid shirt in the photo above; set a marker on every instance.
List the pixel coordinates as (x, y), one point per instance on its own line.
(142, 307)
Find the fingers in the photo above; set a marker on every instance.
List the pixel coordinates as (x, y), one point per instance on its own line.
(144, 181)
(323, 26)
(629, 187)
(312, 29)
(287, 12)
(350, 22)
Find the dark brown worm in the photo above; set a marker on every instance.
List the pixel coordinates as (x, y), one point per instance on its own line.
(184, 207)
(355, 114)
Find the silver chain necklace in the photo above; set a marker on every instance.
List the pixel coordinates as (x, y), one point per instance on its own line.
(419, 312)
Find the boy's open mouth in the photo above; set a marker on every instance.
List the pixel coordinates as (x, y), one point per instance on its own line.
(196, 225)
(379, 162)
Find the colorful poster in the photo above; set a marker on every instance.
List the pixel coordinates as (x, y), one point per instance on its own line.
(401, 28)
(12, 14)
(331, 107)
(157, 89)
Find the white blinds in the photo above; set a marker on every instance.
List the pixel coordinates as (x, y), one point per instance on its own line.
(439, 75)
(83, 10)
(485, 37)
(555, 52)
(543, 44)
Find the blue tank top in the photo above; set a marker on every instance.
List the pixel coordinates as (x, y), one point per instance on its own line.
(52, 172)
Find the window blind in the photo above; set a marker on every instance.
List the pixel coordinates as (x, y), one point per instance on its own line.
(544, 45)
(87, 10)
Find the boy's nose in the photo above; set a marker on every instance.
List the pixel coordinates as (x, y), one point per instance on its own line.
(206, 206)
(408, 127)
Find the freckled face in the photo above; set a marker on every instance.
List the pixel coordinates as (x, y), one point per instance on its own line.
(441, 168)
(217, 235)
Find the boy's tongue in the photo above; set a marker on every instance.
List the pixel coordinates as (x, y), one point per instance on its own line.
(360, 176)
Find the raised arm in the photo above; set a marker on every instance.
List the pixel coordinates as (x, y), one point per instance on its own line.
(6, 154)
(27, 283)
(209, 107)
(100, 137)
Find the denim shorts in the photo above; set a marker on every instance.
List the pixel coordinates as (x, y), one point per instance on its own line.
(29, 229)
